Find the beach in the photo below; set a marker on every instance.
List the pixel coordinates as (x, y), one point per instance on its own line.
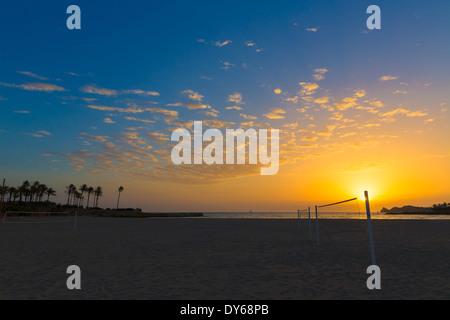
(226, 259)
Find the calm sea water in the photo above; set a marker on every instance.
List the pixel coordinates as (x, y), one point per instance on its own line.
(323, 215)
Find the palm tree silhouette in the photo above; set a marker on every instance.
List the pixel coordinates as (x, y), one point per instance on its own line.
(50, 192)
(23, 190)
(90, 191)
(121, 189)
(83, 189)
(69, 191)
(98, 193)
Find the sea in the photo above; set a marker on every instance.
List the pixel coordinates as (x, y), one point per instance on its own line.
(323, 215)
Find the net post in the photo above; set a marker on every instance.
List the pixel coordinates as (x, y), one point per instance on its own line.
(298, 220)
(370, 230)
(317, 227)
(309, 215)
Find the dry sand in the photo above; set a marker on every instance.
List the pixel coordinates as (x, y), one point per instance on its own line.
(223, 259)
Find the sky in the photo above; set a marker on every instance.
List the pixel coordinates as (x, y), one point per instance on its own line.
(357, 109)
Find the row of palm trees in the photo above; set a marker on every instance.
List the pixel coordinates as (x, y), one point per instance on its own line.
(36, 192)
(76, 197)
(27, 192)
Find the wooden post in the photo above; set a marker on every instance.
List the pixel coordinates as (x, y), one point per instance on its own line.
(369, 223)
(317, 227)
(309, 214)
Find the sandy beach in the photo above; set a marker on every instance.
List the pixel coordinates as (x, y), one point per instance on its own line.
(209, 259)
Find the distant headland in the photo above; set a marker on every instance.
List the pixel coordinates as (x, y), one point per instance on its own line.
(436, 209)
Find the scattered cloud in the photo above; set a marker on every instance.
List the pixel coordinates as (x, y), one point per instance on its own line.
(227, 65)
(108, 120)
(236, 98)
(32, 75)
(193, 95)
(111, 92)
(320, 74)
(278, 91)
(276, 114)
(140, 120)
(101, 91)
(234, 108)
(248, 117)
(222, 44)
(388, 78)
(35, 86)
(308, 88)
(23, 112)
(158, 137)
(312, 29)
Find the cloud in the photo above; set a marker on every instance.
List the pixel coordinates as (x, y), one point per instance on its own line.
(236, 98)
(170, 113)
(320, 74)
(346, 103)
(39, 134)
(403, 111)
(35, 86)
(360, 93)
(121, 110)
(308, 88)
(197, 106)
(23, 112)
(210, 113)
(142, 92)
(140, 120)
(248, 117)
(222, 44)
(217, 124)
(234, 108)
(158, 137)
(322, 100)
(388, 78)
(110, 92)
(193, 95)
(252, 44)
(108, 120)
(227, 65)
(33, 75)
(377, 104)
(276, 114)
(101, 91)
(278, 91)
(312, 29)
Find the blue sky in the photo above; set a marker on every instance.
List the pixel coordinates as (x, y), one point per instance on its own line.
(196, 60)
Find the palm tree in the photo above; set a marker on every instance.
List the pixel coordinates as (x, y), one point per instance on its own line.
(34, 191)
(83, 189)
(98, 192)
(77, 198)
(42, 189)
(50, 192)
(23, 190)
(69, 191)
(11, 191)
(3, 191)
(90, 191)
(121, 189)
